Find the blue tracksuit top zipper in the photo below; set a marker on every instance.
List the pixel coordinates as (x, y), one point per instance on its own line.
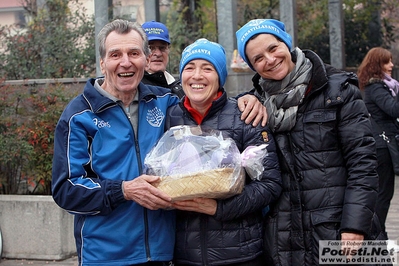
(138, 155)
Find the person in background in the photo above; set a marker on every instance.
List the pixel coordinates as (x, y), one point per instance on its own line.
(156, 74)
(325, 145)
(100, 141)
(221, 231)
(159, 44)
(380, 96)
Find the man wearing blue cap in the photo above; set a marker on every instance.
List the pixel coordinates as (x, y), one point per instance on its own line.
(159, 44)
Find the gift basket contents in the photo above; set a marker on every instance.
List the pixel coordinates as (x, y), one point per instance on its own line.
(238, 64)
(193, 161)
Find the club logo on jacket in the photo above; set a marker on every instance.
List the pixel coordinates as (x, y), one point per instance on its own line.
(100, 123)
(155, 117)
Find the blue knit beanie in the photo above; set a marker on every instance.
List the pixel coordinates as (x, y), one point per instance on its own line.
(259, 26)
(209, 51)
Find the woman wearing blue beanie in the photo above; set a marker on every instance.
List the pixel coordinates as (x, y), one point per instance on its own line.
(325, 145)
(221, 231)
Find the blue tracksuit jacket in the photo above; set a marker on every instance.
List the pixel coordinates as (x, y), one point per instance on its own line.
(95, 149)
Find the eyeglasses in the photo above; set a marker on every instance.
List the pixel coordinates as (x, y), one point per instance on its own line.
(162, 48)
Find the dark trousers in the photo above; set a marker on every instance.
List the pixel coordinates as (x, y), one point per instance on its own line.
(386, 184)
(256, 262)
(155, 263)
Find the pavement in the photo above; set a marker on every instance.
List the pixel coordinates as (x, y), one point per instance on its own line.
(392, 223)
(392, 226)
(73, 261)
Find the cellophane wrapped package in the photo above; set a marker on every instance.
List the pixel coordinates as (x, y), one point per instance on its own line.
(252, 160)
(193, 161)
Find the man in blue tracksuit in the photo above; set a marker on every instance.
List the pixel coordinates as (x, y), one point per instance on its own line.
(100, 143)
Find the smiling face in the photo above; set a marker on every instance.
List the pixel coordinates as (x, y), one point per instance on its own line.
(387, 68)
(123, 64)
(270, 57)
(159, 57)
(200, 82)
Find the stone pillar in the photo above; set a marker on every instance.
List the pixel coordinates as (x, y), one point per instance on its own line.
(288, 17)
(101, 18)
(227, 27)
(336, 21)
(41, 3)
(151, 10)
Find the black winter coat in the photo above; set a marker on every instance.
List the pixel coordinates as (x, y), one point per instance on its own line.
(328, 165)
(159, 79)
(234, 234)
(383, 108)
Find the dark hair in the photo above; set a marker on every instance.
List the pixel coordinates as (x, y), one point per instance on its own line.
(121, 26)
(372, 65)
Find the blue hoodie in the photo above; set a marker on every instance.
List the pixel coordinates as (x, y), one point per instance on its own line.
(95, 149)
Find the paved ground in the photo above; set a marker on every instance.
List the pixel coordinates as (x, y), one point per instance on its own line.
(392, 223)
(68, 262)
(392, 229)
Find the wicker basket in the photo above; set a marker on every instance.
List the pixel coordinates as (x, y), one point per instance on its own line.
(216, 183)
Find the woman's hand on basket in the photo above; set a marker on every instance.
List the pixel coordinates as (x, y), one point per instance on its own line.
(202, 205)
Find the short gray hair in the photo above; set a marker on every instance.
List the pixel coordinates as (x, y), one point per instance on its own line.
(121, 26)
